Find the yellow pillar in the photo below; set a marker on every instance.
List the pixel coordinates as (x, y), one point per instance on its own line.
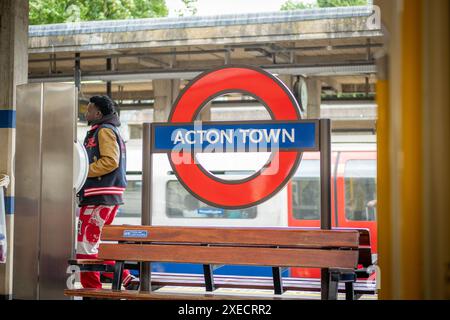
(412, 160)
(384, 189)
(436, 90)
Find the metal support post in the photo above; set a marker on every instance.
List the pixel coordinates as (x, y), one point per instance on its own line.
(146, 219)
(325, 192)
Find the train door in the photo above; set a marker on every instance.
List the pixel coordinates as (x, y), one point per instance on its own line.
(356, 192)
(304, 192)
(304, 200)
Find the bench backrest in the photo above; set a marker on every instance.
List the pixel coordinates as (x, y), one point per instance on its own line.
(281, 247)
(365, 249)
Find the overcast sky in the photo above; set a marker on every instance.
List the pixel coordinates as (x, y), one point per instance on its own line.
(215, 7)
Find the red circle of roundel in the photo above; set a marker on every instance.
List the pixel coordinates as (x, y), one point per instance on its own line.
(282, 106)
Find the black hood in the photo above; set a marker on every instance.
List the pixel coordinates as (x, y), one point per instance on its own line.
(112, 119)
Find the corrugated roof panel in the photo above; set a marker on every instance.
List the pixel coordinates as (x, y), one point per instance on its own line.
(196, 21)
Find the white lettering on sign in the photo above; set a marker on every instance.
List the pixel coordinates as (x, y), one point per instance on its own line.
(214, 136)
(244, 133)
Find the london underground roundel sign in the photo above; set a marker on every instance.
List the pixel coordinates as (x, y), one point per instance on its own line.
(285, 136)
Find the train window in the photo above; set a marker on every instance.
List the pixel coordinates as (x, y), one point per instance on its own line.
(181, 204)
(306, 191)
(360, 190)
(131, 198)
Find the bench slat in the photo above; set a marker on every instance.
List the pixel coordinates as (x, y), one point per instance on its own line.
(312, 258)
(247, 236)
(364, 235)
(139, 295)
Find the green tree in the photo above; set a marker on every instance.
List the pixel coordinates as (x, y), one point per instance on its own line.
(189, 8)
(59, 11)
(294, 5)
(340, 3)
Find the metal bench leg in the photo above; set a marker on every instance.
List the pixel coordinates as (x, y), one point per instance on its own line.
(277, 280)
(145, 278)
(324, 283)
(349, 291)
(117, 280)
(333, 286)
(209, 279)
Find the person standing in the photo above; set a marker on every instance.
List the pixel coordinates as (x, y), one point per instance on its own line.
(101, 195)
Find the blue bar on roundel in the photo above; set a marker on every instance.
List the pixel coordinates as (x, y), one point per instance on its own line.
(236, 137)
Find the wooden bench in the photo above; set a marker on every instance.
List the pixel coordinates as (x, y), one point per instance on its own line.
(353, 290)
(337, 251)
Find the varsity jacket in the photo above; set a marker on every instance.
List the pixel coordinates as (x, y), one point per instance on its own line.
(106, 180)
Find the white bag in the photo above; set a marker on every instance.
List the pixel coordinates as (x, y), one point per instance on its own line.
(4, 181)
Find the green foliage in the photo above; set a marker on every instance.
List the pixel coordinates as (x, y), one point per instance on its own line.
(189, 8)
(59, 11)
(294, 5)
(340, 3)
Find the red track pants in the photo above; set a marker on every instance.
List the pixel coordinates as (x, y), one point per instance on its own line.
(90, 225)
